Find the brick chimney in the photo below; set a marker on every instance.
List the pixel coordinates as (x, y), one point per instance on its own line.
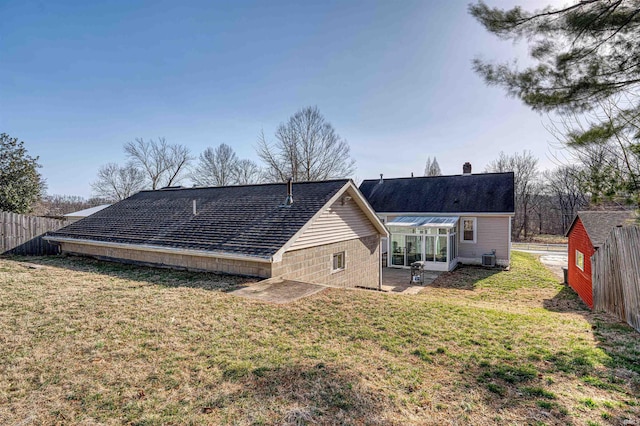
(466, 168)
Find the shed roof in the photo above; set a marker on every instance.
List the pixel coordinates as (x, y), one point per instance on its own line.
(474, 193)
(248, 220)
(598, 224)
(87, 212)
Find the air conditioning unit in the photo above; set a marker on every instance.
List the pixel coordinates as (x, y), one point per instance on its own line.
(489, 260)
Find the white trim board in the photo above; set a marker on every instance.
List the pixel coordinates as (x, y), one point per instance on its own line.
(159, 249)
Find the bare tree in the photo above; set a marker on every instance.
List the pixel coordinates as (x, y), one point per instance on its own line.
(216, 167)
(117, 183)
(247, 172)
(307, 148)
(58, 205)
(525, 169)
(162, 163)
(562, 185)
(432, 168)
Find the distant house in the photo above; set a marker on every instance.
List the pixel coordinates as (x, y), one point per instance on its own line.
(445, 220)
(81, 214)
(587, 233)
(318, 232)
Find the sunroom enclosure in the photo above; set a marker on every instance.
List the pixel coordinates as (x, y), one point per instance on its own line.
(430, 239)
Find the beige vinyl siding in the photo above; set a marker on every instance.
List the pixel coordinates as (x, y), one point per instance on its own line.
(492, 234)
(339, 223)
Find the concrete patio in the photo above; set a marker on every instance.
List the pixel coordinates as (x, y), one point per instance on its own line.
(397, 280)
(277, 290)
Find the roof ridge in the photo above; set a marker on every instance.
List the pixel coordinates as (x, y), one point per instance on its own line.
(244, 185)
(435, 177)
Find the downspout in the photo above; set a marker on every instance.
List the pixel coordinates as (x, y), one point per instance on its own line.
(509, 254)
(380, 262)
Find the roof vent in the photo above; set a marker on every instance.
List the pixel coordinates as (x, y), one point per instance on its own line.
(166, 188)
(466, 168)
(381, 180)
(289, 199)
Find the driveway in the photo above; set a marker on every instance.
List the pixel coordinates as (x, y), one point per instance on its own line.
(555, 262)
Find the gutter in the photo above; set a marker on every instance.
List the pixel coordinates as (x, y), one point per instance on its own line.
(159, 249)
(444, 214)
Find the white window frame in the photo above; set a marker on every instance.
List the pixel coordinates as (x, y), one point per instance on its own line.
(344, 261)
(580, 255)
(475, 230)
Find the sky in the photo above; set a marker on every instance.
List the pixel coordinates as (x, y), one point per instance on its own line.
(394, 78)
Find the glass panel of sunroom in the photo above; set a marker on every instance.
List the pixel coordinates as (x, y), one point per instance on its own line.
(424, 221)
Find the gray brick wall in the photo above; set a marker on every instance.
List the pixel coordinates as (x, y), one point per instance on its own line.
(180, 261)
(314, 265)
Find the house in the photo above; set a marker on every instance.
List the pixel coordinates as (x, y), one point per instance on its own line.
(445, 220)
(318, 232)
(81, 214)
(587, 233)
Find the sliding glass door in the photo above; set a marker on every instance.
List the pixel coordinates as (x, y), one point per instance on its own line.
(414, 249)
(397, 250)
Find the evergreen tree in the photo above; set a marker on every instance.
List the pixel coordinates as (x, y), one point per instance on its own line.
(21, 184)
(583, 53)
(586, 61)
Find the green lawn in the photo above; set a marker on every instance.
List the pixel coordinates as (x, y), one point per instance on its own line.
(96, 343)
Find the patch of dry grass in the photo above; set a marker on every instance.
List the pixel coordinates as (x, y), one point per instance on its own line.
(97, 343)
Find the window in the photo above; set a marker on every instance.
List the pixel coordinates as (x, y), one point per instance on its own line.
(338, 262)
(468, 234)
(580, 260)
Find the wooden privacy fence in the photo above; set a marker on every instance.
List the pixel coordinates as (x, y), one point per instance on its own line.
(21, 234)
(616, 275)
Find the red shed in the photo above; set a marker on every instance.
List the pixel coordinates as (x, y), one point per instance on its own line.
(586, 234)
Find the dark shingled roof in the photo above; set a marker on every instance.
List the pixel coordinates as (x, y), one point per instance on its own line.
(476, 193)
(599, 223)
(241, 220)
